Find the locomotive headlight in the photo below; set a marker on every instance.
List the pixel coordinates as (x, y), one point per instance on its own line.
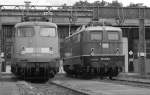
(26, 50)
(23, 50)
(48, 50)
(92, 51)
(51, 50)
(117, 51)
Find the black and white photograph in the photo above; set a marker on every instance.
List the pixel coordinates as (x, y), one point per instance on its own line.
(74, 47)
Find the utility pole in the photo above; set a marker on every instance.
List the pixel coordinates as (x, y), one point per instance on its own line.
(70, 21)
(2, 63)
(0, 30)
(141, 49)
(0, 41)
(27, 7)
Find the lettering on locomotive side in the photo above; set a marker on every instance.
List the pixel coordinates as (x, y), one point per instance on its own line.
(36, 54)
(94, 59)
(106, 58)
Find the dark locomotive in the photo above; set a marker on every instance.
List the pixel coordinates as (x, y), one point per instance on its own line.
(94, 49)
(35, 52)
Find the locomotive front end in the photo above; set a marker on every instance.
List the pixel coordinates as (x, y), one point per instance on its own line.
(36, 50)
(103, 50)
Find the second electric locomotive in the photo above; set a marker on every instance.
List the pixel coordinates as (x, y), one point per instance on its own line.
(94, 50)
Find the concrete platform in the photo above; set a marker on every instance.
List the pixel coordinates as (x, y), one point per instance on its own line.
(134, 77)
(8, 88)
(102, 88)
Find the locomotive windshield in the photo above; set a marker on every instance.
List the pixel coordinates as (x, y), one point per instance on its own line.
(25, 32)
(47, 32)
(96, 35)
(113, 35)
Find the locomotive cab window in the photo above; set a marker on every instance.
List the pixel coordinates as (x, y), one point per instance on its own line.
(25, 32)
(113, 35)
(47, 32)
(96, 35)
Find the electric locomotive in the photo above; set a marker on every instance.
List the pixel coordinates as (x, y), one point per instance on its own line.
(35, 52)
(94, 49)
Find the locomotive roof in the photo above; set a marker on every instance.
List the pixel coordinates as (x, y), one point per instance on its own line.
(35, 23)
(107, 28)
(93, 28)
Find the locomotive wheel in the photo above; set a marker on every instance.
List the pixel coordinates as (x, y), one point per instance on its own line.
(102, 77)
(116, 71)
(110, 73)
(52, 74)
(86, 73)
(101, 73)
(110, 77)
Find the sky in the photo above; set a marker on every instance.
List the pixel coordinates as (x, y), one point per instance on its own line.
(68, 2)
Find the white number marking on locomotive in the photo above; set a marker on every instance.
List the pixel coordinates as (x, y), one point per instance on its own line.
(105, 45)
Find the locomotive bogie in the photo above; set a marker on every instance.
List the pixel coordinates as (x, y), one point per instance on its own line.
(35, 69)
(94, 65)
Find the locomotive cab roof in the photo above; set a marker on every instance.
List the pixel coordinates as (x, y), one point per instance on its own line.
(35, 21)
(98, 25)
(34, 18)
(95, 26)
(107, 28)
(35, 24)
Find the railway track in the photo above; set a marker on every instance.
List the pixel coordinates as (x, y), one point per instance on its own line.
(48, 88)
(131, 82)
(62, 85)
(34, 88)
(98, 86)
(124, 81)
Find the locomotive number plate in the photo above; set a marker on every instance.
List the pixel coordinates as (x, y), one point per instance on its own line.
(105, 45)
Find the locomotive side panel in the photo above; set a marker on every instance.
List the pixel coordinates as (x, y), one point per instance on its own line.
(76, 49)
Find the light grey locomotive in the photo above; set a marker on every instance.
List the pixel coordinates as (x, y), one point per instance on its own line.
(35, 52)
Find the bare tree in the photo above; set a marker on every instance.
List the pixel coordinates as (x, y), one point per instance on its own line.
(115, 4)
(137, 5)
